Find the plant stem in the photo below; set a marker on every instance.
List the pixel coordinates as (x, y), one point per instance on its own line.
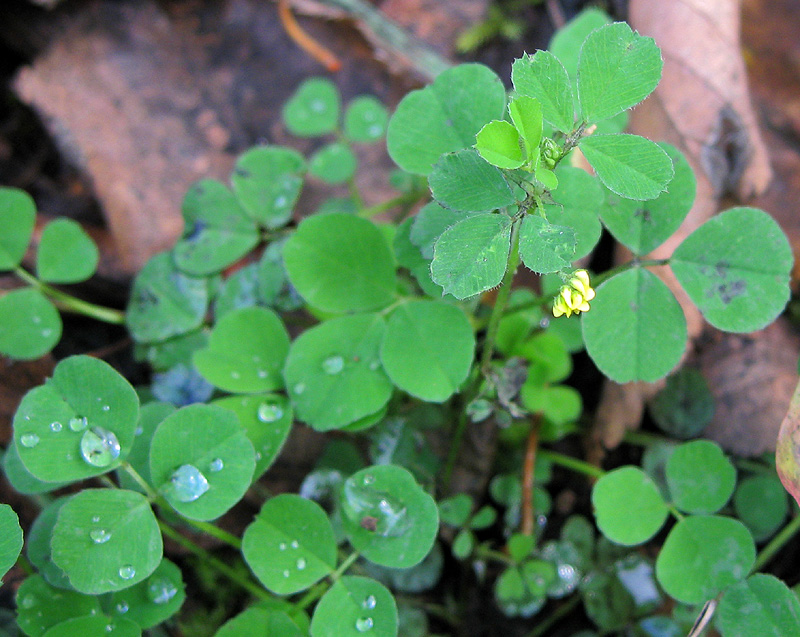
(231, 573)
(572, 463)
(71, 303)
(528, 470)
(776, 543)
(407, 198)
(346, 563)
(562, 611)
(320, 589)
(502, 299)
(497, 556)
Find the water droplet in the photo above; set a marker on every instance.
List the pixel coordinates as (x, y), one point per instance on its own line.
(37, 320)
(106, 407)
(282, 546)
(29, 601)
(280, 201)
(138, 432)
(127, 571)
(187, 483)
(299, 388)
(369, 479)
(46, 333)
(370, 602)
(56, 426)
(387, 516)
(375, 130)
(270, 412)
(234, 374)
(258, 456)
(109, 627)
(122, 607)
(216, 465)
(286, 573)
(295, 544)
(160, 590)
(333, 364)
(99, 447)
(301, 564)
(99, 536)
(374, 365)
(95, 518)
(363, 624)
(318, 106)
(29, 440)
(78, 423)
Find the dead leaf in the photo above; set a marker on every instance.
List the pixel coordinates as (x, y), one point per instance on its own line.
(787, 452)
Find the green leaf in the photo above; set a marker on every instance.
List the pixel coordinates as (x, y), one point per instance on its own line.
(388, 517)
(267, 421)
(498, 143)
(150, 416)
(38, 540)
(22, 480)
(106, 540)
(66, 254)
(444, 117)
(543, 77)
(631, 166)
(10, 539)
(267, 181)
(313, 109)
(427, 349)
(617, 69)
(702, 555)
(545, 247)
(456, 509)
(576, 203)
(761, 605)
(17, 217)
(40, 606)
(365, 119)
(700, 478)
(463, 544)
(417, 579)
(567, 41)
(29, 324)
(643, 227)
(429, 224)
(165, 302)
(526, 113)
(472, 255)
(334, 373)
(462, 181)
(340, 263)
(255, 621)
(101, 625)
(636, 329)
(354, 606)
(216, 230)
(154, 599)
(760, 503)
(628, 507)
(559, 404)
(201, 476)
(685, 406)
(80, 423)
(333, 164)
(290, 545)
(246, 351)
(735, 268)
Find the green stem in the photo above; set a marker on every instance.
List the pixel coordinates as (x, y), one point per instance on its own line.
(231, 573)
(502, 299)
(497, 556)
(71, 303)
(346, 563)
(320, 589)
(635, 263)
(562, 611)
(404, 199)
(777, 543)
(572, 463)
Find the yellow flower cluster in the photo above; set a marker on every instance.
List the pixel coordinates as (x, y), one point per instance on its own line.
(574, 297)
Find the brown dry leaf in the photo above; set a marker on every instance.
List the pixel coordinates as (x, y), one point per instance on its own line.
(702, 106)
(787, 453)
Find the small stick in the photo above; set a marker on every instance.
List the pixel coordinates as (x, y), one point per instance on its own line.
(305, 41)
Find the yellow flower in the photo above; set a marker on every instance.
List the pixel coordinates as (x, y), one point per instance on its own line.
(574, 297)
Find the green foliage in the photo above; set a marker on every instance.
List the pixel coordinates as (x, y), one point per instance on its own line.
(262, 320)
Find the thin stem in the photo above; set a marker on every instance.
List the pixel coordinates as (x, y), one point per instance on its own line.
(401, 200)
(574, 464)
(501, 300)
(71, 303)
(231, 573)
(497, 556)
(777, 543)
(347, 563)
(320, 589)
(562, 611)
(152, 494)
(528, 469)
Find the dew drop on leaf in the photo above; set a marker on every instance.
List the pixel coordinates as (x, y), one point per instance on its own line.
(299, 388)
(301, 564)
(388, 515)
(127, 571)
(78, 423)
(282, 546)
(363, 624)
(216, 465)
(99, 447)
(160, 590)
(333, 365)
(106, 407)
(29, 601)
(286, 573)
(56, 426)
(99, 536)
(122, 607)
(29, 440)
(187, 483)
(270, 412)
(370, 602)
(295, 544)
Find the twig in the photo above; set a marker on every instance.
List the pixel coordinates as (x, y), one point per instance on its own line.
(528, 469)
(305, 41)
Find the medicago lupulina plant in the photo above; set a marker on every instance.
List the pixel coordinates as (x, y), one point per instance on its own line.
(380, 332)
